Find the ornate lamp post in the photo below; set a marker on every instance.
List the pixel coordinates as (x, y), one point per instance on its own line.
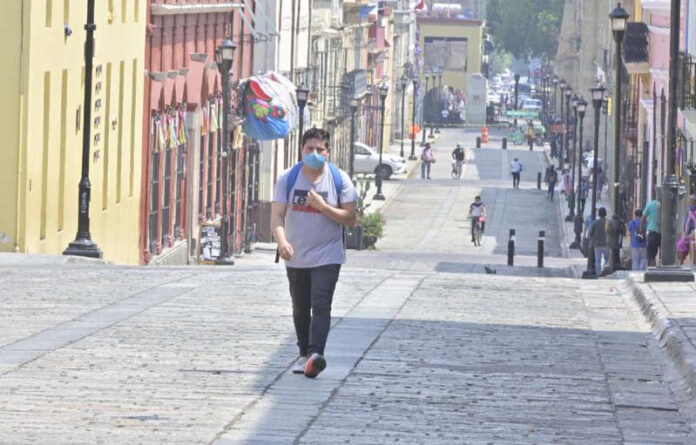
(302, 93)
(669, 269)
(225, 57)
(619, 20)
(562, 85)
(383, 91)
(438, 118)
(555, 94)
(581, 106)
(354, 104)
(425, 99)
(404, 85)
(517, 84)
(566, 148)
(413, 122)
(597, 98)
(572, 196)
(83, 244)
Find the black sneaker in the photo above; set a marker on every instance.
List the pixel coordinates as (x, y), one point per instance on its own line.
(315, 365)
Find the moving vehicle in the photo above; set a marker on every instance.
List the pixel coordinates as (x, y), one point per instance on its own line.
(367, 161)
(532, 105)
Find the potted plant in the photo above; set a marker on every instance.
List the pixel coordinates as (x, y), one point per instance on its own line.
(370, 225)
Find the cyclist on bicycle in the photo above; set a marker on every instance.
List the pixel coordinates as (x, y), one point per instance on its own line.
(477, 213)
(459, 156)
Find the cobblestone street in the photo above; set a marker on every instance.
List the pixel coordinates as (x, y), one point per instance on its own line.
(424, 348)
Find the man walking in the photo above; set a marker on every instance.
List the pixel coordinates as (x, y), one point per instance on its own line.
(598, 239)
(650, 223)
(427, 158)
(551, 180)
(515, 169)
(312, 202)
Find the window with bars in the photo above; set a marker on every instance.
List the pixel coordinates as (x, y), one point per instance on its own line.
(154, 200)
(218, 178)
(210, 213)
(166, 207)
(201, 180)
(180, 171)
(686, 87)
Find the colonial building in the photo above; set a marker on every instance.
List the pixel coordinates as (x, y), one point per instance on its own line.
(42, 95)
(182, 120)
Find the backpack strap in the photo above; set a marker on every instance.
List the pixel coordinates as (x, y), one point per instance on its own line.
(292, 179)
(337, 180)
(335, 175)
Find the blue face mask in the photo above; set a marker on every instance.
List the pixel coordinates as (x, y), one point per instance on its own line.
(314, 161)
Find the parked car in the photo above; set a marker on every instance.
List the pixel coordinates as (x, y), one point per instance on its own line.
(367, 161)
(531, 105)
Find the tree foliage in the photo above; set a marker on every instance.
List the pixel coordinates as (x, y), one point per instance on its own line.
(526, 28)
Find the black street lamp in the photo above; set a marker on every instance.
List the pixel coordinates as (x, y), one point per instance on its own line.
(404, 85)
(383, 91)
(566, 148)
(302, 93)
(669, 268)
(555, 95)
(619, 21)
(83, 244)
(517, 85)
(354, 104)
(413, 123)
(562, 86)
(597, 98)
(581, 106)
(572, 196)
(225, 57)
(433, 105)
(425, 98)
(439, 110)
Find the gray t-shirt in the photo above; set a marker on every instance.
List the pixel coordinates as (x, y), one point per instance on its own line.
(316, 240)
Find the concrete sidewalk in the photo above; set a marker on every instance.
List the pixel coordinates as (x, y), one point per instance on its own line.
(670, 309)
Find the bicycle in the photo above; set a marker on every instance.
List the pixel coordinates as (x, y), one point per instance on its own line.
(457, 169)
(477, 231)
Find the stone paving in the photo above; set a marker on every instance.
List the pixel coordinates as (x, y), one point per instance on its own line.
(424, 348)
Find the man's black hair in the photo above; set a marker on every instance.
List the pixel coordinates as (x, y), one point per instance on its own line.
(317, 133)
(602, 212)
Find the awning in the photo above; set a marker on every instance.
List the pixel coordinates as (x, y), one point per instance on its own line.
(194, 80)
(180, 86)
(156, 87)
(169, 85)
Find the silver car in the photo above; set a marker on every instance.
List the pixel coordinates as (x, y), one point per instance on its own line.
(367, 161)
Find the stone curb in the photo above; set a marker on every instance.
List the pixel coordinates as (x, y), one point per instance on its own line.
(671, 338)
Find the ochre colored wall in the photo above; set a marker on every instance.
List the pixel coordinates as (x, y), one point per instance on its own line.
(10, 82)
(474, 35)
(52, 142)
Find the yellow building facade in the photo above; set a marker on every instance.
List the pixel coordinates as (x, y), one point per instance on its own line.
(454, 44)
(42, 88)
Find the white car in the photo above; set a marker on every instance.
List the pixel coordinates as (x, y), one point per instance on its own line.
(532, 105)
(367, 161)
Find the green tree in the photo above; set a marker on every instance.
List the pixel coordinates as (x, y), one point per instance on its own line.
(526, 28)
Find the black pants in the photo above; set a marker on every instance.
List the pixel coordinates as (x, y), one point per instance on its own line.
(515, 180)
(582, 205)
(312, 294)
(654, 240)
(552, 188)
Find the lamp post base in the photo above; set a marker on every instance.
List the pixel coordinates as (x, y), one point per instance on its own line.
(84, 247)
(413, 157)
(225, 261)
(664, 274)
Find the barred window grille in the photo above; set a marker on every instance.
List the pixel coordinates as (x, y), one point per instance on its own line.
(201, 179)
(180, 171)
(166, 208)
(154, 200)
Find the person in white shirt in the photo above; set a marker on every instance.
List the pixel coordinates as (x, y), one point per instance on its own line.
(515, 169)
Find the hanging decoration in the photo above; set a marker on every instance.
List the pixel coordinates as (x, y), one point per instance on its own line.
(270, 107)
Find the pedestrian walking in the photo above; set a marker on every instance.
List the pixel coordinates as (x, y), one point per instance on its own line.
(427, 158)
(551, 179)
(312, 201)
(687, 237)
(516, 170)
(639, 245)
(650, 224)
(530, 136)
(582, 194)
(598, 240)
(554, 146)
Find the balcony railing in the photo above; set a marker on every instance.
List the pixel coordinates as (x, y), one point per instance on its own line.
(686, 87)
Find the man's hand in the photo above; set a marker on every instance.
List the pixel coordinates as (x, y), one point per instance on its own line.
(285, 251)
(315, 200)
